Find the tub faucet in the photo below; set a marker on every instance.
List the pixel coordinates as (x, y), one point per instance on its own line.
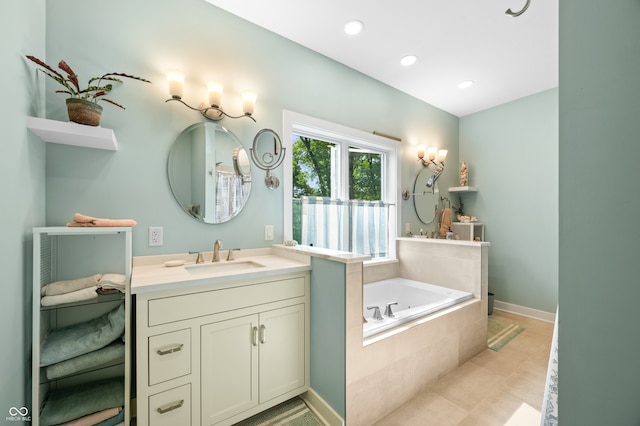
(388, 312)
(376, 313)
(216, 251)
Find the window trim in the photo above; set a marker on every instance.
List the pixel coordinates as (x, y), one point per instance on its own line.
(296, 123)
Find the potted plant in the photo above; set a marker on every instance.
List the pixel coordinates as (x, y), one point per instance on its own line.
(82, 104)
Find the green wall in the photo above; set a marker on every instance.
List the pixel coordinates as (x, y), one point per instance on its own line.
(599, 344)
(148, 37)
(22, 171)
(512, 155)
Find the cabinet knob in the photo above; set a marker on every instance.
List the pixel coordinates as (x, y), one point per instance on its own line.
(170, 406)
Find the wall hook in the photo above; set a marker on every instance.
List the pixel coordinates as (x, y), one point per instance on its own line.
(514, 14)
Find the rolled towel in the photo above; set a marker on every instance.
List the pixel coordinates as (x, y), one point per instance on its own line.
(75, 296)
(68, 286)
(113, 281)
(84, 220)
(111, 352)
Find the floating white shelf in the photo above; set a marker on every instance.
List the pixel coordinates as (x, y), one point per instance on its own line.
(69, 133)
(463, 189)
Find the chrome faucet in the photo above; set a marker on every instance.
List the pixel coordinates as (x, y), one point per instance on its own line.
(216, 251)
(388, 312)
(376, 313)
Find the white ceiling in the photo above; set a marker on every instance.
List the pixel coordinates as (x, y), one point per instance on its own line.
(507, 57)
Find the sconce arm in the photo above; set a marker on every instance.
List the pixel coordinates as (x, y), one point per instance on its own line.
(205, 111)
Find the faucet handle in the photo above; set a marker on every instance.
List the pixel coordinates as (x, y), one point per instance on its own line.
(388, 312)
(230, 255)
(199, 258)
(376, 312)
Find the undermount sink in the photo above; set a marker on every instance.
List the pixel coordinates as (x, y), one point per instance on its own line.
(223, 266)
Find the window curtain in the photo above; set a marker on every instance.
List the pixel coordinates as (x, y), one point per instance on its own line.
(323, 222)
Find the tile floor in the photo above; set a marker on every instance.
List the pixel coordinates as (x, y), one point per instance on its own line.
(493, 388)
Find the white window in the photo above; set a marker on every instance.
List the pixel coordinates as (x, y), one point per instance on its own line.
(344, 195)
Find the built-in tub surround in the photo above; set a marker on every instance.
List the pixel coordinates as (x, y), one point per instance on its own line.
(409, 358)
(403, 300)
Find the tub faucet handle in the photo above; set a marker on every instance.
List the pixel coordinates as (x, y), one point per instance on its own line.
(388, 312)
(376, 312)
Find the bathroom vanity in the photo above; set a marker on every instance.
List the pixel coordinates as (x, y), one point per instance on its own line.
(219, 342)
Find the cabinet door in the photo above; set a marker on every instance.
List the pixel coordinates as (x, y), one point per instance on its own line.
(282, 351)
(229, 365)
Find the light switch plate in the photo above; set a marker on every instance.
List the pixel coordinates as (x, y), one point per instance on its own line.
(268, 232)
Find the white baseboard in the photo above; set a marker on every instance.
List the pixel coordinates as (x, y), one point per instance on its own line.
(321, 409)
(523, 310)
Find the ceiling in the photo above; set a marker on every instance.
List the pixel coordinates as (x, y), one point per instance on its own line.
(455, 40)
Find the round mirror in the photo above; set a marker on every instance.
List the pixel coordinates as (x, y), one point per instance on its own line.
(209, 173)
(425, 199)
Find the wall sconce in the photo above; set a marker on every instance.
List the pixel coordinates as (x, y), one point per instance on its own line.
(214, 110)
(434, 158)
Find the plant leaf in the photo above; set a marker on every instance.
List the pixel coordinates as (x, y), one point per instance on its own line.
(105, 77)
(45, 66)
(112, 102)
(72, 76)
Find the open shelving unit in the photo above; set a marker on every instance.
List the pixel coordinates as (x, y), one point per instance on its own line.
(66, 253)
(69, 133)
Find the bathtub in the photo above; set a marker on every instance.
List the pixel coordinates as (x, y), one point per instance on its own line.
(415, 299)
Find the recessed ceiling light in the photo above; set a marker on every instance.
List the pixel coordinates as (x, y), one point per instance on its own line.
(353, 27)
(408, 60)
(465, 84)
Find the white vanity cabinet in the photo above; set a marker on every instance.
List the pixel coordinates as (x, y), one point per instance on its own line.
(216, 354)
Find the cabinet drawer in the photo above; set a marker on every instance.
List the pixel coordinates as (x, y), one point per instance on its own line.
(171, 408)
(177, 308)
(169, 356)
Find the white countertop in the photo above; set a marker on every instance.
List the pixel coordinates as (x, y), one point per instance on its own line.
(151, 274)
(323, 253)
(444, 241)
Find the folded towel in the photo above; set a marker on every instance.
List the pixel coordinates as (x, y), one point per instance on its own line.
(116, 420)
(445, 221)
(75, 296)
(83, 220)
(78, 339)
(112, 351)
(113, 281)
(67, 286)
(63, 405)
(95, 418)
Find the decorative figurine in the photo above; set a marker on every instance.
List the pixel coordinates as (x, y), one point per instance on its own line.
(464, 174)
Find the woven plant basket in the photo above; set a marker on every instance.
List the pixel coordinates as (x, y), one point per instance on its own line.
(84, 112)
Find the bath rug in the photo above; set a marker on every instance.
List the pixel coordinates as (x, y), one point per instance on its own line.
(500, 332)
(291, 413)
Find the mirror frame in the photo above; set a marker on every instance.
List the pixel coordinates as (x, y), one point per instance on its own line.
(421, 183)
(231, 162)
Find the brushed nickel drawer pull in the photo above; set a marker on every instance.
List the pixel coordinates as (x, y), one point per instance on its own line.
(255, 336)
(263, 334)
(170, 406)
(169, 349)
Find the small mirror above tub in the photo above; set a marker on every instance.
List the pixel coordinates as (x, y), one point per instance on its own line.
(425, 198)
(209, 173)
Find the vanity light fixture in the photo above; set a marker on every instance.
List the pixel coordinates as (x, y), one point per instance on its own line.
(212, 111)
(434, 161)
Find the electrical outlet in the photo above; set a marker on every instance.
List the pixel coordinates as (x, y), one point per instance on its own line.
(155, 236)
(268, 232)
